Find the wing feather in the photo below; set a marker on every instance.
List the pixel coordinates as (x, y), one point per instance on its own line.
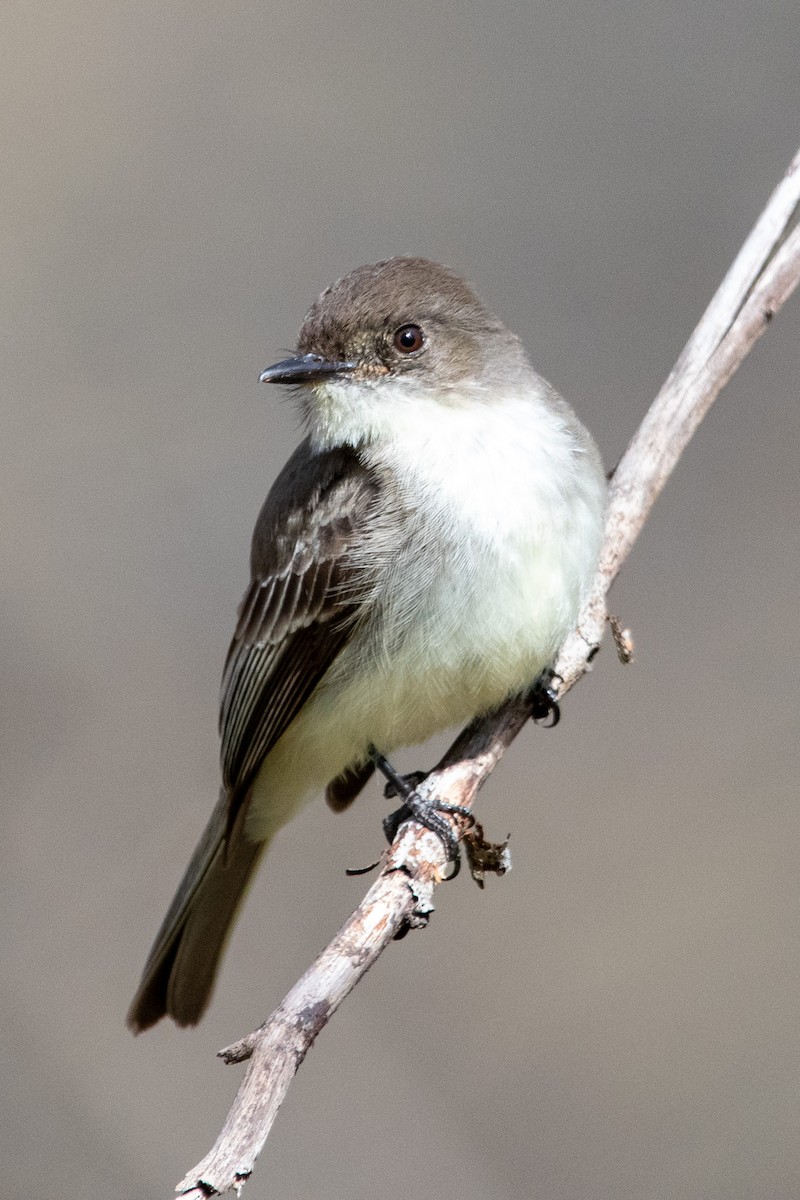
(304, 598)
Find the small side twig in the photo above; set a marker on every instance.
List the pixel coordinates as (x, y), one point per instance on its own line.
(762, 278)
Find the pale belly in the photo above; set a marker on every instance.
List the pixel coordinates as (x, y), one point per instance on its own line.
(477, 639)
(505, 521)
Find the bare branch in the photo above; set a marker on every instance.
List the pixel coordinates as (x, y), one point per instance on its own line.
(765, 273)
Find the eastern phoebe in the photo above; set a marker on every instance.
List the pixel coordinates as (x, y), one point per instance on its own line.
(420, 558)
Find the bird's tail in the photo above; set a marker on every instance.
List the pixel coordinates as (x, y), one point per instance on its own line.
(179, 975)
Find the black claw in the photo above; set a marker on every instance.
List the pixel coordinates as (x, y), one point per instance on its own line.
(392, 823)
(543, 698)
(417, 808)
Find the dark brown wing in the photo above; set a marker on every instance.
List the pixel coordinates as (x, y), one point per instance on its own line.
(300, 607)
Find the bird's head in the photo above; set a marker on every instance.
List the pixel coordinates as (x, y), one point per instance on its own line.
(391, 336)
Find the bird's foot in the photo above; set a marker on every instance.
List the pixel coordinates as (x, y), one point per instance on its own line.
(409, 783)
(428, 812)
(543, 698)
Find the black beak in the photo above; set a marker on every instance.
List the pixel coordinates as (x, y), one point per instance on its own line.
(304, 368)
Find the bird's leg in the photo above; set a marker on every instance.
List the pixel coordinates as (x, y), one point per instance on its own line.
(543, 698)
(410, 781)
(426, 812)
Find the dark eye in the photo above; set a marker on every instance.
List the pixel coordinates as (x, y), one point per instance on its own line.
(408, 339)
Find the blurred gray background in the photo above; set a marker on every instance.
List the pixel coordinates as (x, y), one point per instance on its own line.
(620, 1016)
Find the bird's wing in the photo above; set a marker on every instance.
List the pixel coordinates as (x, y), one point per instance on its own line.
(301, 606)
(305, 595)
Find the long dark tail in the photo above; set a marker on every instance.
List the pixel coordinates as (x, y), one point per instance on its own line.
(179, 975)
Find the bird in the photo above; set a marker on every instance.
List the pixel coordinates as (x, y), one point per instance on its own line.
(420, 558)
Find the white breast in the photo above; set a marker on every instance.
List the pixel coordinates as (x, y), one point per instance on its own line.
(505, 511)
(503, 502)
